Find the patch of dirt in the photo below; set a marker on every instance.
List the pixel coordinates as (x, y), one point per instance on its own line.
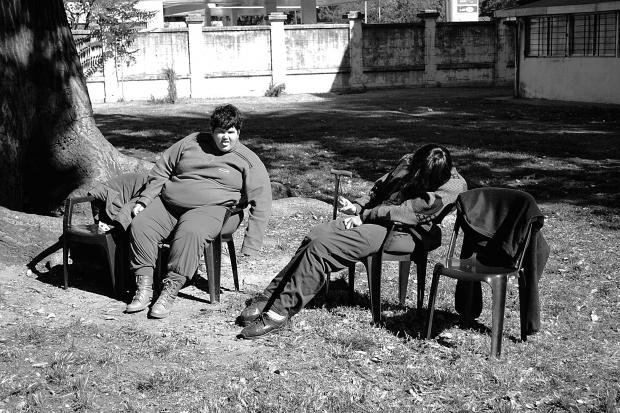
(39, 293)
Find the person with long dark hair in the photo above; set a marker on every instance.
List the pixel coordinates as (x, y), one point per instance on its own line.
(416, 192)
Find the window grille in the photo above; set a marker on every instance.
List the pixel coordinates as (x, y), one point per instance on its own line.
(594, 34)
(547, 36)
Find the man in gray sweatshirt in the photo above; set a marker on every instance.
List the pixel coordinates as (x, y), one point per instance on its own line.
(185, 201)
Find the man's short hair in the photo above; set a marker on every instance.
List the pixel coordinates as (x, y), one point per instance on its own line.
(225, 117)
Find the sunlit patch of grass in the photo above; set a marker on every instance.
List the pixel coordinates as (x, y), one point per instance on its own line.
(83, 399)
(165, 382)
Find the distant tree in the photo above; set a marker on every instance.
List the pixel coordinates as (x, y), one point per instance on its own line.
(113, 24)
(50, 146)
(487, 7)
(383, 11)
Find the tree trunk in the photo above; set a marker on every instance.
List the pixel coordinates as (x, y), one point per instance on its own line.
(50, 146)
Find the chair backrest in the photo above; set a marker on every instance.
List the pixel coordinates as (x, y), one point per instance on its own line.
(70, 203)
(498, 223)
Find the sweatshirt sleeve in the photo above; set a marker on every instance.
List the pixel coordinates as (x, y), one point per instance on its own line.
(161, 172)
(258, 194)
(421, 209)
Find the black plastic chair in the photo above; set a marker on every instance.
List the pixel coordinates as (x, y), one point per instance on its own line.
(212, 255)
(471, 269)
(374, 262)
(109, 241)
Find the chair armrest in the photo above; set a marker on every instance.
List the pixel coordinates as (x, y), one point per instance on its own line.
(231, 211)
(69, 204)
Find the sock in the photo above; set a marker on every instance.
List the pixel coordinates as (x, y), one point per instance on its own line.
(275, 316)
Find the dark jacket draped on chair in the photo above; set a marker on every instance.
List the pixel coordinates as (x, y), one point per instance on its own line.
(499, 222)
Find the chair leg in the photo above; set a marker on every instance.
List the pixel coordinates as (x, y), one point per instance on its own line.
(351, 283)
(373, 268)
(65, 261)
(421, 263)
(404, 267)
(233, 262)
(498, 290)
(162, 262)
(522, 308)
(432, 296)
(110, 252)
(212, 253)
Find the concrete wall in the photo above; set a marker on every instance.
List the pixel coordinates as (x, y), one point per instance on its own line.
(317, 58)
(245, 60)
(393, 54)
(584, 79)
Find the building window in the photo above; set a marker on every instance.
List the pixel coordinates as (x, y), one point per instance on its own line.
(591, 34)
(594, 34)
(546, 36)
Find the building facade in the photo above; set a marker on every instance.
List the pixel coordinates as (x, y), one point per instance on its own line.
(567, 50)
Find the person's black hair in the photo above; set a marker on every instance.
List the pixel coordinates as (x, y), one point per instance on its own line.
(225, 117)
(432, 164)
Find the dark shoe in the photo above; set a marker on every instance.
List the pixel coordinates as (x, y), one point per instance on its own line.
(261, 326)
(251, 313)
(142, 297)
(163, 305)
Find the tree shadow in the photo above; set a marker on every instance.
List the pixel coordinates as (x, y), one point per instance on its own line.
(558, 152)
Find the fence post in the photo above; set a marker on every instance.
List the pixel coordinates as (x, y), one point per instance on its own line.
(430, 58)
(194, 37)
(356, 57)
(278, 48)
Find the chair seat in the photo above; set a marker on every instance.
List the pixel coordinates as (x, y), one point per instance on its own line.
(471, 269)
(87, 230)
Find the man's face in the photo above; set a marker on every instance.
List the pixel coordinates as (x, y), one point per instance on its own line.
(225, 139)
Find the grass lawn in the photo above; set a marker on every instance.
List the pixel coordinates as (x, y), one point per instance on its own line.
(75, 351)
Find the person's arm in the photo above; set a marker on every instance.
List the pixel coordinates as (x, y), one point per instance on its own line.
(361, 202)
(421, 209)
(160, 173)
(258, 193)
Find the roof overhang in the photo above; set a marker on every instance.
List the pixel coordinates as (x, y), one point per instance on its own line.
(544, 7)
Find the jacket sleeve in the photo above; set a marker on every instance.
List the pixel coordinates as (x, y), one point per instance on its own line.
(161, 172)
(422, 209)
(258, 194)
(361, 202)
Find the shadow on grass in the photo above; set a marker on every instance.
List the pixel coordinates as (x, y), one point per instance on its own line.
(557, 152)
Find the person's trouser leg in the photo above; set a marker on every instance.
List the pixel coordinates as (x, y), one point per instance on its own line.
(329, 247)
(194, 228)
(147, 230)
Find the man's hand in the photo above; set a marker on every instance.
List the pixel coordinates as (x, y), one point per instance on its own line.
(137, 209)
(345, 206)
(103, 227)
(352, 222)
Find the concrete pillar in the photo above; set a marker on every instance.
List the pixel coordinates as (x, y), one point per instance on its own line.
(207, 15)
(308, 11)
(356, 58)
(271, 6)
(278, 48)
(430, 58)
(196, 55)
(112, 92)
(504, 47)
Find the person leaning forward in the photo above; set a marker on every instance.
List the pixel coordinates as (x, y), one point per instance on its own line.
(415, 192)
(185, 201)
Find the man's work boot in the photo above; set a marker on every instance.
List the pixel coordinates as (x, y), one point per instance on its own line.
(163, 305)
(144, 294)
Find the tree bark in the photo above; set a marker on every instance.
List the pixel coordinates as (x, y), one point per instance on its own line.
(50, 146)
